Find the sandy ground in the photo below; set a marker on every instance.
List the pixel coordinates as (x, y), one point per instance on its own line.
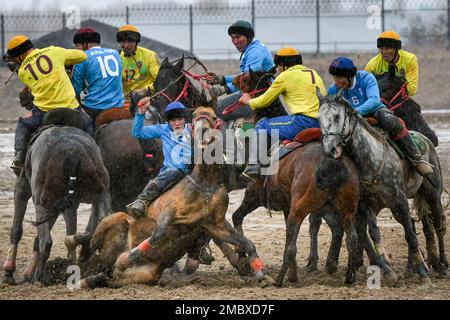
(220, 280)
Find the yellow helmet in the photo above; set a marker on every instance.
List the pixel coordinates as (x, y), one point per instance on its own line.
(389, 39)
(288, 57)
(18, 45)
(128, 32)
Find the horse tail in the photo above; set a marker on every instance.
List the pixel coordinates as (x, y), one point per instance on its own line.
(71, 166)
(111, 236)
(331, 173)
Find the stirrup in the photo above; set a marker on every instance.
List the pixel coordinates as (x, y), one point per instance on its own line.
(137, 208)
(17, 167)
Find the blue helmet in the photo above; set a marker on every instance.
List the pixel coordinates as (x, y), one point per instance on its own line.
(175, 110)
(342, 67)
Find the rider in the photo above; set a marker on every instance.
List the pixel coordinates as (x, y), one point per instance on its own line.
(298, 85)
(176, 139)
(254, 55)
(396, 61)
(140, 65)
(361, 91)
(99, 75)
(43, 72)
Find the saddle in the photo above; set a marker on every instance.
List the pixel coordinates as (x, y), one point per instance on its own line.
(418, 139)
(109, 115)
(301, 139)
(65, 117)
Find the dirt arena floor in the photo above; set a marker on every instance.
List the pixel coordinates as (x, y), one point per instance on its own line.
(220, 281)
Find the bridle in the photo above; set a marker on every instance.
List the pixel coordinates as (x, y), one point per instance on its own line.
(344, 137)
(401, 93)
(232, 107)
(215, 124)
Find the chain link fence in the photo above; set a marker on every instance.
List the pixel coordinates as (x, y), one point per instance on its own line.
(312, 26)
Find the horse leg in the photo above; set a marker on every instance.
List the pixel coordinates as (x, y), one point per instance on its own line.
(337, 233)
(292, 266)
(249, 204)
(22, 193)
(315, 220)
(228, 252)
(45, 242)
(31, 268)
(225, 232)
(70, 217)
(400, 211)
(352, 246)
(374, 252)
(290, 250)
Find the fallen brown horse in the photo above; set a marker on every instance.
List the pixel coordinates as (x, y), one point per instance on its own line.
(194, 208)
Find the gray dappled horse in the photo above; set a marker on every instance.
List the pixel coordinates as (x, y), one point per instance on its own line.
(63, 168)
(387, 181)
(393, 94)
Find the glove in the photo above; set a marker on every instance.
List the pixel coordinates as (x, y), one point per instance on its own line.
(214, 79)
(219, 90)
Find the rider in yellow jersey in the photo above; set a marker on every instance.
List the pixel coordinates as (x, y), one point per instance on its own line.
(395, 60)
(43, 72)
(298, 84)
(140, 65)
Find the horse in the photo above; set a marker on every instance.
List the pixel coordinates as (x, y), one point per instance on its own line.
(306, 182)
(387, 179)
(63, 168)
(194, 207)
(394, 96)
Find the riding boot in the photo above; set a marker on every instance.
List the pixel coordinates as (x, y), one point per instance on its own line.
(253, 168)
(21, 139)
(423, 167)
(150, 193)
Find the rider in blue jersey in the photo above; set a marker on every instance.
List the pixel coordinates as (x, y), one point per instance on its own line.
(360, 89)
(99, 76)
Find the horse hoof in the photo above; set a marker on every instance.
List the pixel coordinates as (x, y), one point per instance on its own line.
(8, 278)
(390, 279)
(191, 266)
(332, 267)
(70, 243)
(28, 275)
(311, 266)
(268, 281)
(426, 283)
(96, 281)
(243, 267)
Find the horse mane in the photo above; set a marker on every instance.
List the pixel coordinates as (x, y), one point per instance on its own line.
(333, 99)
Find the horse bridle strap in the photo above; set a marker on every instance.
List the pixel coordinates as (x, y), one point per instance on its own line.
(401, 93)
(215, 124)
(207, 192)
(345, 137)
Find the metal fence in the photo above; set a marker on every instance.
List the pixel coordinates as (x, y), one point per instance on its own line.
(313, 26)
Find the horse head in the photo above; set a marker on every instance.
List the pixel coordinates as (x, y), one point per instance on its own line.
(337, 119)
(205, 126)
(389, 85)
(253, 82)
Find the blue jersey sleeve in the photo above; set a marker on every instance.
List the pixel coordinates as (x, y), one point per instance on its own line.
(373, 102)
(332, 90)
(78, 76)
(145, 132)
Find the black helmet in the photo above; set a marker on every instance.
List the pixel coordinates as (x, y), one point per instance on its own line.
(242, 27)
(86, 35)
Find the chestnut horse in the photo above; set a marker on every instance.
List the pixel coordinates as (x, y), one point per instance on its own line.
(306, 182)
(196, 206)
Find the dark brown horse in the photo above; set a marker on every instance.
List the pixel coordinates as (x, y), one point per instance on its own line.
(63, 168)
(393, 94)
(194, 207)
(306, 182)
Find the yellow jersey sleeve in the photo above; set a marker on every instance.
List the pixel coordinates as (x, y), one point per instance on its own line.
(298, 85)
(73, 56)
(139, 71)
(406, 65)
(44, 73)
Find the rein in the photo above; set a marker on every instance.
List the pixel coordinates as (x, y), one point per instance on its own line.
(234, 106)
(401, 93)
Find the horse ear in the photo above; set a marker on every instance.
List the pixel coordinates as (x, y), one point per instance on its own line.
(319, 94)
(165, 61)
(180, 63)
(250, 72)
(273, 70)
